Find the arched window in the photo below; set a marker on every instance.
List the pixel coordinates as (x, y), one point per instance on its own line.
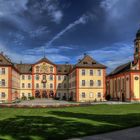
(51, 86)
(99, 82)
(91, 83)
(51, 77)
(51, 69)
(37, 77)
(44, 77)
(37, 69)
(3, 82)
(3, 95)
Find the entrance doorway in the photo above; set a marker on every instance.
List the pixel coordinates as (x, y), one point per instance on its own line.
(44, 94)
(51, 94)
(37, 94)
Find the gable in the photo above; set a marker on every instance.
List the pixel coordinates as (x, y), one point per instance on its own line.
(5, 61)
(43, 67)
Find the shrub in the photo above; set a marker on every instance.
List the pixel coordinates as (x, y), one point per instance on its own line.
(95, 100)
(24, 98)
(57, 98)
(70, 98)
(64, 98)
(108, 97)
(31, 98)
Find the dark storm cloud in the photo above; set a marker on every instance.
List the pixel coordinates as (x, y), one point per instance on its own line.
(69, 28)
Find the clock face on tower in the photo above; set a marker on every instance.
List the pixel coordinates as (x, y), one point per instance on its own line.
(44, 68)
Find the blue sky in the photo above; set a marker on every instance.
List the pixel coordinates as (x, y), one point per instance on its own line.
(104, 29)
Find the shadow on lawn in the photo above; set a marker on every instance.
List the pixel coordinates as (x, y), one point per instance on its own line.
(72, 125)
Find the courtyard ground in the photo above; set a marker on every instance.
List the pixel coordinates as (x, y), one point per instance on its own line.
(66, 123)
(125, 134)
(45, 102)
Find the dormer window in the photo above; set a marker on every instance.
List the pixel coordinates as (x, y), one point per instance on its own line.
(93, 62)
(136, 50)
(37, 69)
(0, 60)
(85, 62)
(51, 69)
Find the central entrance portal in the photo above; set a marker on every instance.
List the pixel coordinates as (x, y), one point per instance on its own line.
(37, 94)
(44, 94)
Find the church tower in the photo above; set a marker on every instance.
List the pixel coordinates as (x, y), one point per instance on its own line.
(137, 49)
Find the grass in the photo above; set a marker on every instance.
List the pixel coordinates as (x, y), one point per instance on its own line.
(63, 123)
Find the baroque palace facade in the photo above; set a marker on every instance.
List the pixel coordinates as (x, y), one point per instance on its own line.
(123, 83)
(84, 81)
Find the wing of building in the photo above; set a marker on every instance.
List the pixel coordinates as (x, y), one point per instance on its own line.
(84, 81)
(123, 83)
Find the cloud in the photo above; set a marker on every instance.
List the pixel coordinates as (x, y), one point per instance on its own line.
(52, 8)
(117, 9)
(41, 30)
(81, 20)
(56, 14)
(10, 7)
(33, 55)
(66, 47)
(114, 55)
(40, 51)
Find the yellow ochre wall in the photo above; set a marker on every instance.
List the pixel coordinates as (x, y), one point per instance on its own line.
(4, 88)
(91, 92)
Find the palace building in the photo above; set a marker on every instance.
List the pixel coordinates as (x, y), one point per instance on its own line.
(123, 83)
(82, 82)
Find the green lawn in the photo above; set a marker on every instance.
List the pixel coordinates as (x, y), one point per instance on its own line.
(62, 123)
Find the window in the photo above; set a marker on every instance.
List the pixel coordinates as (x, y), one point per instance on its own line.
(3, 82)
(23, 77)
(29, 85)
(83, 95)
(51, 69)
(136, 50)
(99, 72)
(85, 62)
(99, 82)
(65, 86)
(29, 77)
(37, 85)
(44, 85)
(59, 77)
(91, 82)
(23, 94)
(44, 77)
(69, 85)
(51, 77)
(37, 77)
(59, 94)
(91, 72)
(37, 69)
(91, 95)
(29, 94)
(3, 95)
(23, 85)
(65, 77)
(3, 71)
(59, 85)
(99, 95)
(83, 72)
(83, 82)
(51, 85)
